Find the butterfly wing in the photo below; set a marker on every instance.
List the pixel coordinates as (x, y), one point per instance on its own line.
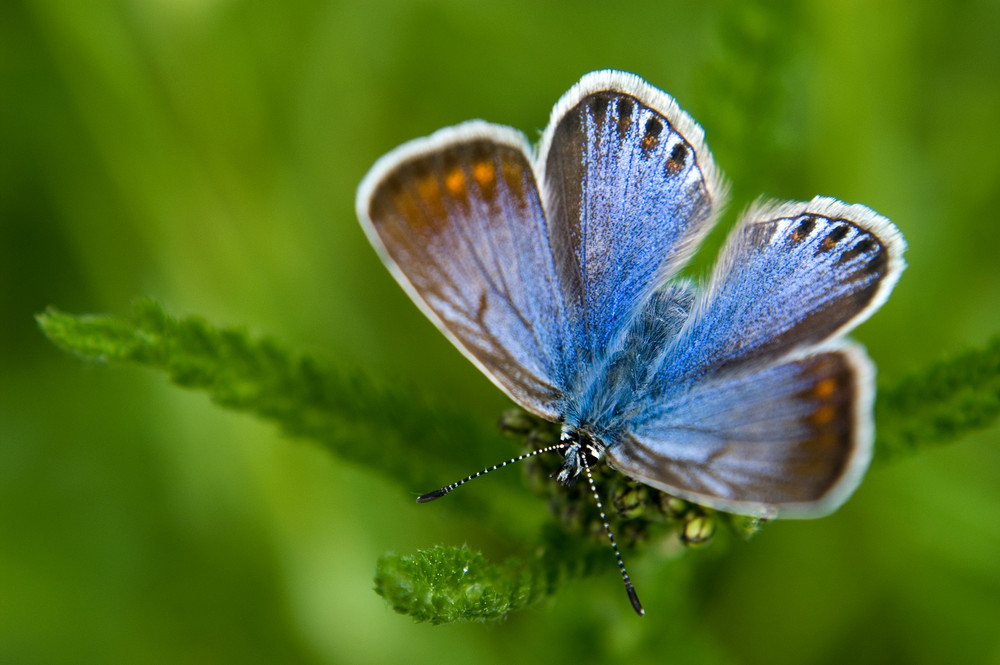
(630, 189)
(789, 277)
(793, 438)
(757, 407)
(458, 219)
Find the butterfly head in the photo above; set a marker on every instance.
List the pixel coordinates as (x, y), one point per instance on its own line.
(582, 450)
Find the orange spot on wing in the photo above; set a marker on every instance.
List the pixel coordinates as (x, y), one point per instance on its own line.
(824, 415)
(825, 388)
(455, 182)
(420, 203)
(408, 206)
(428, 189)
(485, 176)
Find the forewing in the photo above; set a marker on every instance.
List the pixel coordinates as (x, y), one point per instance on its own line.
(791, 439)
(790, 277)
(630, 189)
(458, 219)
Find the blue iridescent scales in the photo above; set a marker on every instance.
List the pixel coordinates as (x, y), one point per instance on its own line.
(554, 272)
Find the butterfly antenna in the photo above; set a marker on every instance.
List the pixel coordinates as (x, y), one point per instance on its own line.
(437, 494)
(636, 605)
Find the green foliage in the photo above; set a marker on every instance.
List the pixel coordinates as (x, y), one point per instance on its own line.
(448, 584)
(746, 92)
(310, 399)
(445, 584)
(940, 403)
(304, 396)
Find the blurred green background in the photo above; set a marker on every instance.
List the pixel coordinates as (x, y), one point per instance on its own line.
(206, 152)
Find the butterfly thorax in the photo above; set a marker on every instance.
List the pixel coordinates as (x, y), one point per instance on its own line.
(596, 419)
(615, 389)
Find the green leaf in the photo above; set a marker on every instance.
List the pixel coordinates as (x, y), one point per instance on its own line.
(939, 404)
(449, 584)
(347, 411)
(445, 584)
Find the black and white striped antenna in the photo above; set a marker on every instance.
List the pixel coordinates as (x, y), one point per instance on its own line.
(571, 448)
(629, 589)
(437, 494)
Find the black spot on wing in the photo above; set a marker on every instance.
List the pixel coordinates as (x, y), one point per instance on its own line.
(599, 108)
(625, 108)
(803, 229)
(652, 136)
(866, 245)
(678, 157)
(833, 238)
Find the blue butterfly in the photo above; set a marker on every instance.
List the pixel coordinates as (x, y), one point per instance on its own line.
(554, 273)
